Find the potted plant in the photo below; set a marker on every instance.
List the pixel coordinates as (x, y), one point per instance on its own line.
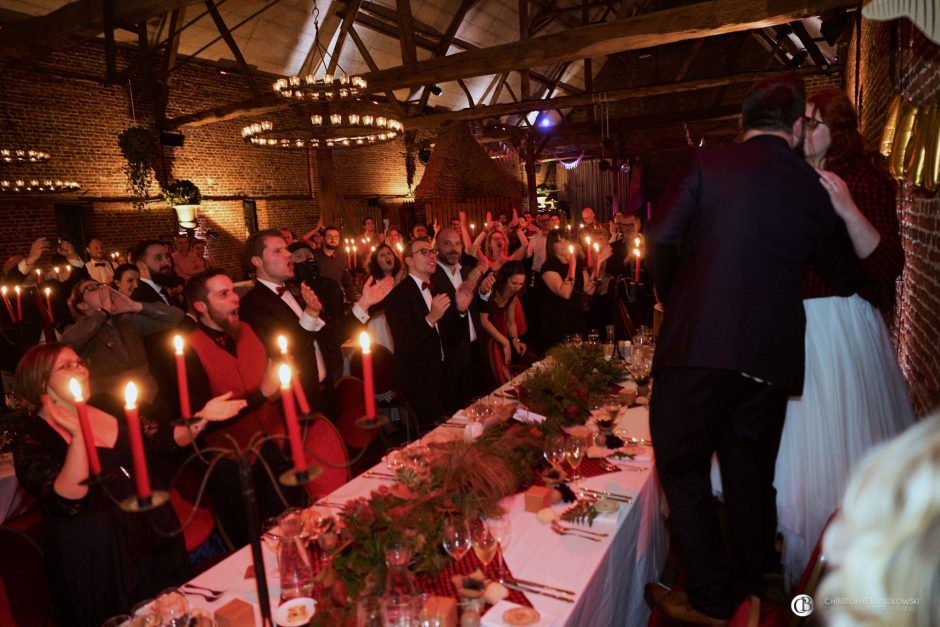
(184, 196)
(139, 146)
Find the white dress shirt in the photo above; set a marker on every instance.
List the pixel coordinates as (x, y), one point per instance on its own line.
(456, 279)
(306, 321)
(101, 273)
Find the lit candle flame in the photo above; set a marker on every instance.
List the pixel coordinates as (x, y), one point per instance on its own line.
(55, 269)
(284, 374)
(587, 240)
(636, 252)
(636, 242)
(130, 395)
(17, 290)
(48, 291)
(597, 247)
(365, 342)
(178, 344)
(399, 247)
(282, 344)
(3, 290)
(76, 389)
(570, 249)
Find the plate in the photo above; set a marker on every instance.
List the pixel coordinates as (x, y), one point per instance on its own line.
(605, 506)
(295, 612)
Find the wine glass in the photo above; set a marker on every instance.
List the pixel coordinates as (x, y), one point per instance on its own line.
(611, 407)
(456, 538)
(593, 337)
(500, 529)
(641, 366)
(173, 608)
(394, 460)
(483, 540)
(554, 451)
(574, 453)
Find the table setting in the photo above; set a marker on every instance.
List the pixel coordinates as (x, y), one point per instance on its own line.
(487, 520)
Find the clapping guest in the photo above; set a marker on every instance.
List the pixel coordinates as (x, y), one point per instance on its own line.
(563, 298)
(502, 319)
(99, 559)
(383, 263)
(109, 333)
(126, 279)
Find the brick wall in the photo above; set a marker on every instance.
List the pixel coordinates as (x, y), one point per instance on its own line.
(895, 56)
(61, 104)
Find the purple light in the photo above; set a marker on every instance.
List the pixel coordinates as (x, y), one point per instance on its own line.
(546, 121)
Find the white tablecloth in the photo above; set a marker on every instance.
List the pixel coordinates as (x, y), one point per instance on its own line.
(607, 576)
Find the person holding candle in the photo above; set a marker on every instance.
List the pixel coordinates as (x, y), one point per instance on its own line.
(563, 296)
(100, 560)
(502, 321)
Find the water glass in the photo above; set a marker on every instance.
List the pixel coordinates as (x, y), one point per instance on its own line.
(400, 611)
(369, 612)
(394, 460)
(626, 350)
(608, 351)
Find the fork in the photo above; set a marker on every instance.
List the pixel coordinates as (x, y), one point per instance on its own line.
(565, 531)
(593, 533)
(215, 596)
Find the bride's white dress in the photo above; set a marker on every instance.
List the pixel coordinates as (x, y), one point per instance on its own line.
(854, 397)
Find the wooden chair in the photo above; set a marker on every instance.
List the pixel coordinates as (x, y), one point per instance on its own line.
(352, 406)
(388, 400)
(326, 449)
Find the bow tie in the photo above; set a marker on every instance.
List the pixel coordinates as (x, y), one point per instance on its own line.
(281, 289)
(101, 264)
(426, 285)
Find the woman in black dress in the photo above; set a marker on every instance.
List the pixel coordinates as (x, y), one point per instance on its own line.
(563, 301)
(99, 559)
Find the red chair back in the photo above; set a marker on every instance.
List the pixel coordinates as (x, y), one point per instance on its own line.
(24, 593)
(183, 495)
(326, 449)
(383, 368)
(352, 406)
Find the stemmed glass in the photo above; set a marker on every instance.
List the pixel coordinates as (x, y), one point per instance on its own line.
(574, 453)
(456, 538)
(500, 529)
(641, 366)
(483, 540)
(554, 451)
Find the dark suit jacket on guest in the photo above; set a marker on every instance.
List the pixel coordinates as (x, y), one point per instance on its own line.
(758, 209)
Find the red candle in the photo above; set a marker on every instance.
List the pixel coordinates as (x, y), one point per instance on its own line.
(296, 384)
(368, 383)
(290, 419)
(48, 302)
(597, 260)
(6, 301)
(141, 478)
(181, 381)
(587, 253)
(636, 265)
(355, 261)
(571, 262)
(94, 464)
(19, 303)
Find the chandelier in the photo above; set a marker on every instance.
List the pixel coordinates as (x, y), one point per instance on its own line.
(327, 88)
(31, 156)
(35, 185)
(333, 130)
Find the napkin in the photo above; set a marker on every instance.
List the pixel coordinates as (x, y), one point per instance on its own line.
(524, 415)
(636, 422)
(494, 617)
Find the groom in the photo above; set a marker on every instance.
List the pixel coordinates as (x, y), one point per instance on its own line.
(729, 242)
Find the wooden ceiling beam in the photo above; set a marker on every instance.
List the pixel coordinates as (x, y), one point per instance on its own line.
(352, 8)
(73, 24)
(233, 47)
(444, 44)
(705, 19)
(364, 51)
(564, 102)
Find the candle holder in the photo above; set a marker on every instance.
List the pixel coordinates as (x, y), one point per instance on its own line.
(294, 478)
(135, 504)
(372, 422)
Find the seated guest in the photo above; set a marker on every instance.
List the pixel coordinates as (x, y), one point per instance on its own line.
(225, 356)
(158, 283)
(882, 546)
(333, 265)
(99, 559)
(416, 320)
(503, 321)
(126, 279)
(109, 334)
(186, 263)
(99, 267)
(562, 298)
(383, 263)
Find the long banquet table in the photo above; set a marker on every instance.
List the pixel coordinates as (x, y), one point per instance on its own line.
(607, 577)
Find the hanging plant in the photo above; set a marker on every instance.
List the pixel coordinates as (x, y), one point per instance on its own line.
(139, 147)
(182, 192)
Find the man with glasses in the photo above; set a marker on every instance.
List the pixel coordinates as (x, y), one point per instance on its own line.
(333, 265)
(421, 322)
(109, 334)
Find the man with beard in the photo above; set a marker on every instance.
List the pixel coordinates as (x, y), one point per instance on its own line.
(466, 374)
(272, 310)
(225, 356)
(99, 268)
(157, 281)
(334, 266)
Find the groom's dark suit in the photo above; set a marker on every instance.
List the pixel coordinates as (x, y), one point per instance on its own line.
(729, 245)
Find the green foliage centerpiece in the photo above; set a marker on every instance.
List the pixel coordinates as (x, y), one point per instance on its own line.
(562, 389)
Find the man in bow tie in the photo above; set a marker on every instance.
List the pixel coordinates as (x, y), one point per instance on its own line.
(99, 268)
(421, 323)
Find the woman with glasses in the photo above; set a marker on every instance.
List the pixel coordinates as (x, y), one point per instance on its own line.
(854, 395)
(109, 334)
(99, 559)
(563, 298)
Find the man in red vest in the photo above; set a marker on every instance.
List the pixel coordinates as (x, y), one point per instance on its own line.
(225, 355)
